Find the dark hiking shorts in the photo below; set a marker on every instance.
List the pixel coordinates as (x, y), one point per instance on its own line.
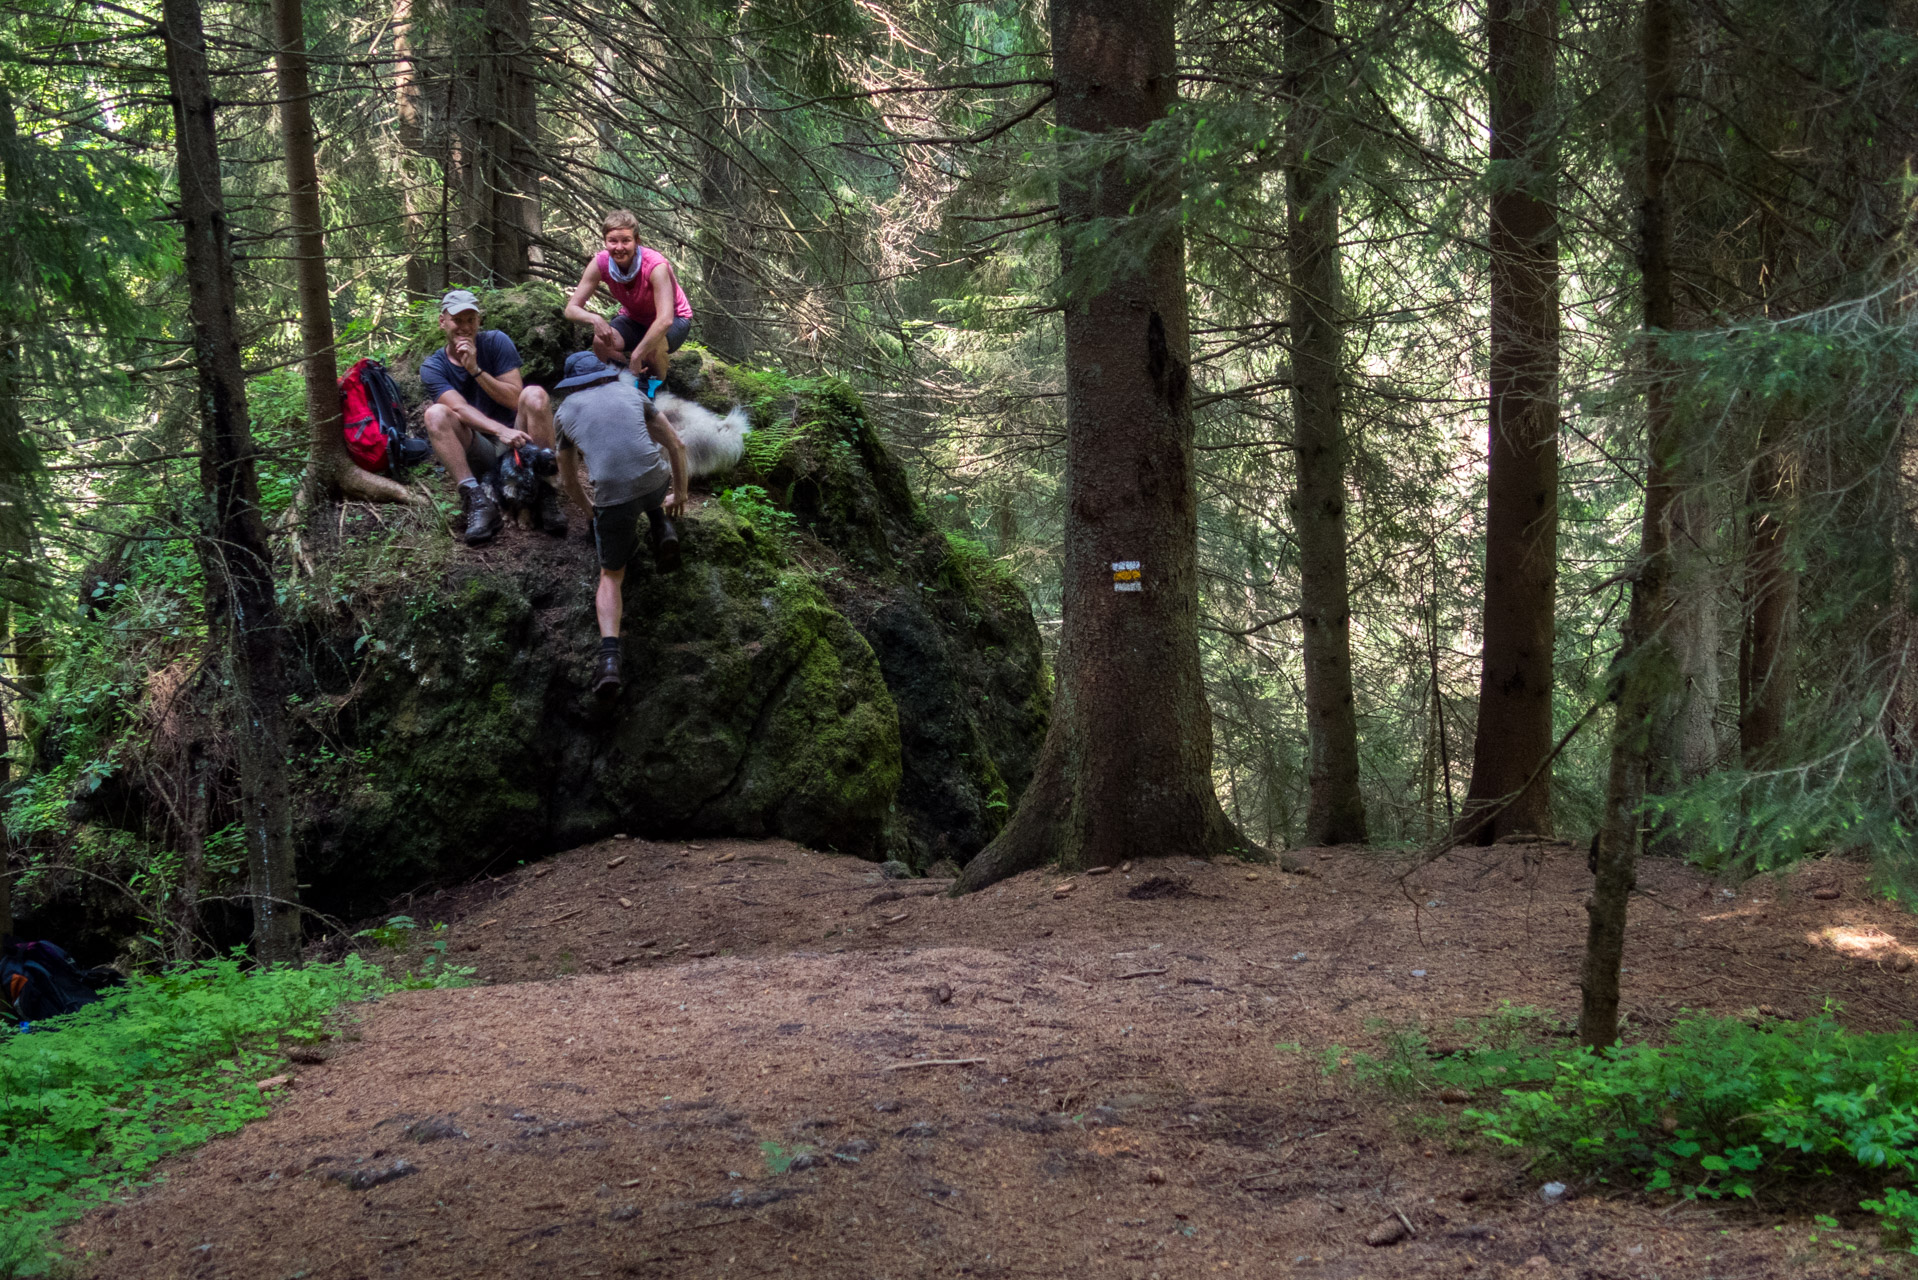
(630, 332)
(616, 529)
(482, 454)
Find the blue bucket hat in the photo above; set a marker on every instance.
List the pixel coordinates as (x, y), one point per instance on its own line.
(583, 368)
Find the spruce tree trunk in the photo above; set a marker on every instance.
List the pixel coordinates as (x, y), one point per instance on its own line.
(1521, 520)
(412, 141)
(329, 468)
(1125, 771)
(242, 614)
(1645, 673)
(1765, 674)
(1335, 813)
(498, 136)
(725, 237)
(22, 582)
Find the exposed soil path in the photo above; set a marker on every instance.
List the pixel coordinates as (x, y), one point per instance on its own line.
(747, 1059)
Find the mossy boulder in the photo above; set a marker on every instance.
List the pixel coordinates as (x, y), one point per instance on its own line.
(827, 665)
(467, 733)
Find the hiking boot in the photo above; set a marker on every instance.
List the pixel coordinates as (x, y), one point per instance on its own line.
(552, 509)
(606, 681)
(482, 513)
(665, 541)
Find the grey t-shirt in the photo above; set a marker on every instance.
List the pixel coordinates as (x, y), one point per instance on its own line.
(607, 424)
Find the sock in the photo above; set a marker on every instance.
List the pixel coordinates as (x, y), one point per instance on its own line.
(470, 482)
(609, 644)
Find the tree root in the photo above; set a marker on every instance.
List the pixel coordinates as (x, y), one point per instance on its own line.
(350, 484)
(1034, 837)
(1039, 832)
(356, 485)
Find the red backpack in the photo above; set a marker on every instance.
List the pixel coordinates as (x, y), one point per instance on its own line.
(374, 420)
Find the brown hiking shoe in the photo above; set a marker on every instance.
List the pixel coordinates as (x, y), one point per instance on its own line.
(606, 681)
(482, 513)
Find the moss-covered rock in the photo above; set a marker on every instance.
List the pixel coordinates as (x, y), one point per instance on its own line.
(751, 708)
(954, 636)
(827, 665)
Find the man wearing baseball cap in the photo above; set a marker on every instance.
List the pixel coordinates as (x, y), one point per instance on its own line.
(478, 408)
(638, 469)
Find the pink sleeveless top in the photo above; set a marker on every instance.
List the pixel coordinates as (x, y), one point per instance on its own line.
(636, 299)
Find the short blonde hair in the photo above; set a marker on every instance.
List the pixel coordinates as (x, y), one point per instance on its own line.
(619, 220)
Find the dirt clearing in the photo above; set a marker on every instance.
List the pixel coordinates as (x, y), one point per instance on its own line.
(735, 1058)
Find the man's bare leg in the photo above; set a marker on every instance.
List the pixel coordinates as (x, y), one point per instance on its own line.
(609, 601)
(449, 437)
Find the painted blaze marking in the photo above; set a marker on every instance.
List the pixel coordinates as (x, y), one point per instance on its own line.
(1125, 576)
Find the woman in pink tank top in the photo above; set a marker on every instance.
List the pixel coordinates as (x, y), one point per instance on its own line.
(654, 315)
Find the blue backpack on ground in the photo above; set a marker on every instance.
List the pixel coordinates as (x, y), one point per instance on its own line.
(38, 980)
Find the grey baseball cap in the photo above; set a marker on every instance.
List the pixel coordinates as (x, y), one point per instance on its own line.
(458, 300)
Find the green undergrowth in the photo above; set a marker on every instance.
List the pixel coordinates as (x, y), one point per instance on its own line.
(89, 1103)
(1721, 1109)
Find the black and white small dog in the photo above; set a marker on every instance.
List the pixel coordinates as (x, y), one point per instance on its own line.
(518, 479)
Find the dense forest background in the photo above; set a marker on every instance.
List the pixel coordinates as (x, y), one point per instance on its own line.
(1401, 220)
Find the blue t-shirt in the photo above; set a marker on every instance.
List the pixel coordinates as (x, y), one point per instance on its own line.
(496, 355)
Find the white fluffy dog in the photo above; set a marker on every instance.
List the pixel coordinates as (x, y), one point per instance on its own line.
(712, 443)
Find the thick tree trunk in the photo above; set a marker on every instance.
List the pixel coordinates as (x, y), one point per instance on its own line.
(498, 141)
(1126, 770)
(412, 142)
(242, 615)
(1645, 673)
(329, 468)
(1521, 526)
(22, 583)
(1685, 745)
(1335, 813)
(1689, 749)
(1765, 672)
(725, 237)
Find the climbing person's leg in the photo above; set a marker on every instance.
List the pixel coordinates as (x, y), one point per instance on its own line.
(609, 602)
(616, 537)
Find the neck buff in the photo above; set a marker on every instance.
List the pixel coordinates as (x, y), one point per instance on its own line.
(632, 272)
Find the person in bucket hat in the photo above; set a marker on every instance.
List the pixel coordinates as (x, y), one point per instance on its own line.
(638, 469)
(478, 408)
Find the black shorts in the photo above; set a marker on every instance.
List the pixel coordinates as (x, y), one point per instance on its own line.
(616, 528)
(631, 331)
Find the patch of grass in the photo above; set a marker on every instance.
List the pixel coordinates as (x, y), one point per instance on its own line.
(1720, 1110)
(92, 1101)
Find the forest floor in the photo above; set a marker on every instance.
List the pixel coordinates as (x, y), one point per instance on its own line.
(732, 1058)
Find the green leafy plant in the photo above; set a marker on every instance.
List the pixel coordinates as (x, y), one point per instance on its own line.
(396, 932)
(780, 1159)
(755, 506)
(1718, 1111)
(403, 932)
(92, 1101)
(1724, 1105)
